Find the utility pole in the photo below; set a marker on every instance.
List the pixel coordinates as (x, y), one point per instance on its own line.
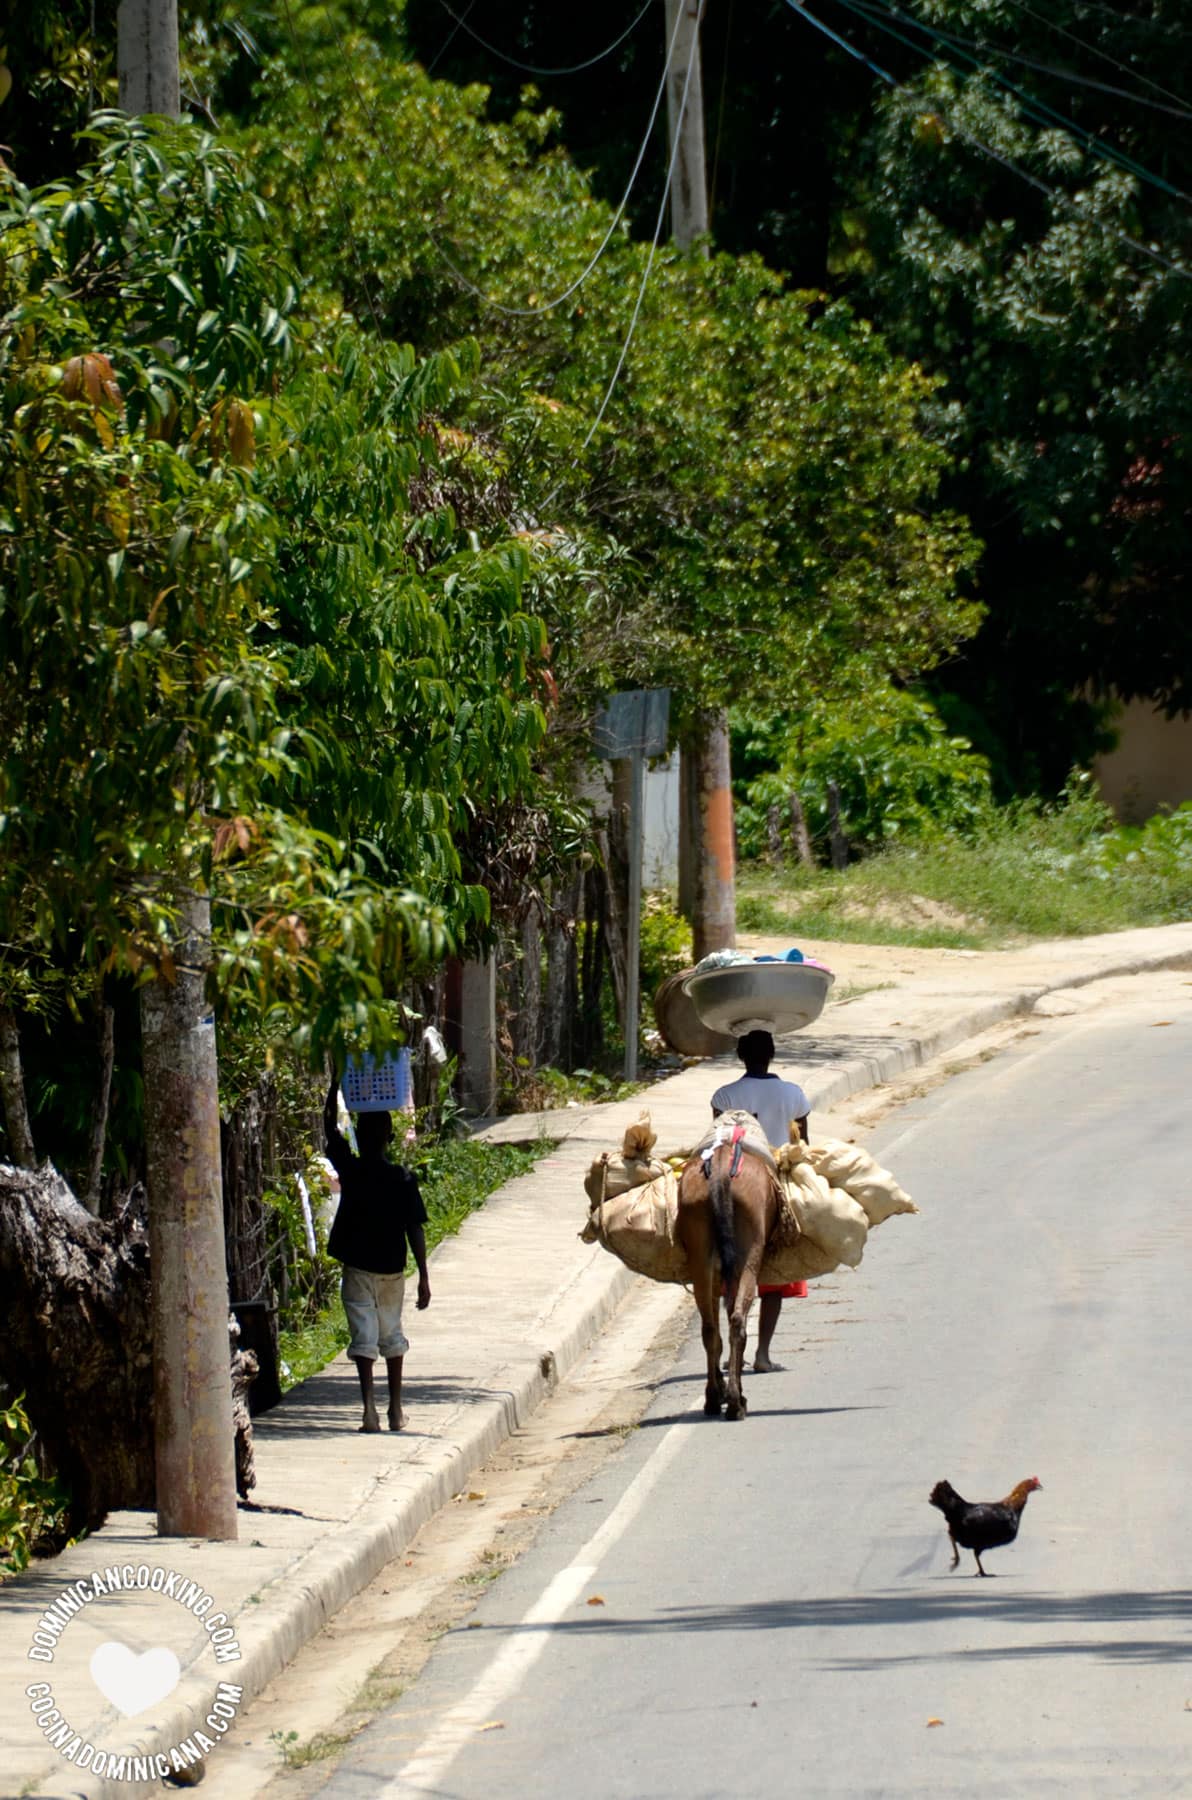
(707, 872)
(194, 1440)
(147, 57)
(195, 1454)
(689, 188)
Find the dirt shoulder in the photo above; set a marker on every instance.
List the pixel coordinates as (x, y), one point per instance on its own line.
(867, 966)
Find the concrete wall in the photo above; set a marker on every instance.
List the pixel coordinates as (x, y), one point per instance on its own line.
(1152, 765)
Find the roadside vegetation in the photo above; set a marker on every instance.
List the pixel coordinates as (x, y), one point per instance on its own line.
(1022, 870)
(356, 443)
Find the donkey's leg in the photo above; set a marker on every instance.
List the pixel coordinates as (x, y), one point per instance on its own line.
(707, 1298)
(738, 1323)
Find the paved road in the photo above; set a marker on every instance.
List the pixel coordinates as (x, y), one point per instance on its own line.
(778, 1614)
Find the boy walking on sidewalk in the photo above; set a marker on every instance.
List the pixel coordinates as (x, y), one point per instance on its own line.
(380, 1212)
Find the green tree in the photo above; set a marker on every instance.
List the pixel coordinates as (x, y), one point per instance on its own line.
(176, 541)
(980, 216)
(761, 458)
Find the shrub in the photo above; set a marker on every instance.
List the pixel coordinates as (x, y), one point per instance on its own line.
(32, 1505)
(901, 776)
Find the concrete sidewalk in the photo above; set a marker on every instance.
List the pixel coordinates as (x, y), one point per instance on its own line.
(517, 1298)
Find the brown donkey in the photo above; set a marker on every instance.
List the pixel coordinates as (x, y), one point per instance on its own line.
(726, 1216)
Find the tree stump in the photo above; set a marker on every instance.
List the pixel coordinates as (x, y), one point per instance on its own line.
(77, 1338)
(77, 1342)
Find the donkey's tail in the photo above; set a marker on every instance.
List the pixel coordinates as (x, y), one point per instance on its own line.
(720, 1199)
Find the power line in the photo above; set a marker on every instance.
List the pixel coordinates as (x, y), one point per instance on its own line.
(443, 48)
(533, 69)
(670, 175)
(875, 14)
(1030, 62)
(1055, 195)
(1137, 23)
(498, 306)
(1094, 49)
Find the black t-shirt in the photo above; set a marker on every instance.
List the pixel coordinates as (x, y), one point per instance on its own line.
(378, 1203)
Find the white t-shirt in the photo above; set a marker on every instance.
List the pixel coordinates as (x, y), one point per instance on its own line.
(772, 1101)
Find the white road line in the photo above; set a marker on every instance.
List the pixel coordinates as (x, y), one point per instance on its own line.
(516, 1658)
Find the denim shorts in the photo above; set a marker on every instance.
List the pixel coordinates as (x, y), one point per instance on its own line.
(373, 1306)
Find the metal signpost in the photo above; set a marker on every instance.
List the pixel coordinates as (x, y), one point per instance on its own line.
(632, 727)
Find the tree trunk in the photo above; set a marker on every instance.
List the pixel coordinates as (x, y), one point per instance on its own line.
(12, 1091)
(688, 826)
(98, 1135)
(774, 834)
(528, 1024)
(147, 57)
(614, 922)
(76, 1339)
(244, 1178)
(589, 1022)
(196, 1483)
(714, 913)
(800, 836)
(836, 837)
(558, 1009)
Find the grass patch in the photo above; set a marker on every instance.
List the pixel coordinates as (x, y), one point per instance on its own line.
(820, 904)
(310, 1347)
(298, 1755)
(458, 1175)
(1027, 872)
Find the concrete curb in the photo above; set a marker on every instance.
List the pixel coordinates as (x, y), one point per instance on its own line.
(300, 1599)
(853, 1075)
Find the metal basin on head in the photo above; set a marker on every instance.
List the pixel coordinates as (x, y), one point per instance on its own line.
(773, 997)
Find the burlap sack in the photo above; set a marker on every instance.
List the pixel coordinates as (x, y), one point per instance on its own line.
(638, 1226)
(849, 1167)
(611, 1175)
(831, 1220)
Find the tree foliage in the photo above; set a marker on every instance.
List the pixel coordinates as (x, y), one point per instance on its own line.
(234, 672)
(760, 456)
(980, 214)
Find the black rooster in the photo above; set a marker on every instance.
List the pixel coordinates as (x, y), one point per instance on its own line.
(982, 1524)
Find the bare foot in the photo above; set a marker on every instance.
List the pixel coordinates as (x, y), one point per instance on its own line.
(764, 1365)
(371, 1421)
(397, 1421)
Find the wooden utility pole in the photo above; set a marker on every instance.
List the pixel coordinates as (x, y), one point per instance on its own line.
(689, 187)
(707, 874)
(195, 1454)
(147, 57)
(192, 1383)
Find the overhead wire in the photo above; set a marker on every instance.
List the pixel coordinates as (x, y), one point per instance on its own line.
(1134, 21)
(720, 109)
(535, 69)
(465, 280)
(1044, 68)
(1095, 49)
(1055, 195)
(871, 12)
(666, 189)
